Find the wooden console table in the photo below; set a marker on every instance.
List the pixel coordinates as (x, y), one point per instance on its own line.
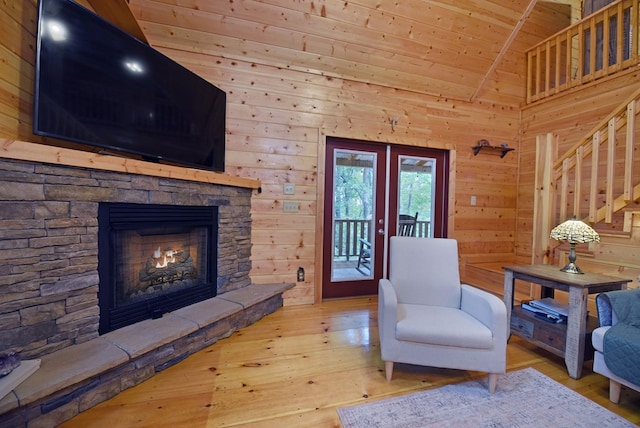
(566, 340)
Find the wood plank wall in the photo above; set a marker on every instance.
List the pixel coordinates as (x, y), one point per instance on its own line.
(281, 107)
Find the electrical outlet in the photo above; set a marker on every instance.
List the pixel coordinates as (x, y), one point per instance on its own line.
(290, 206)
(289, 189)
(474, 200)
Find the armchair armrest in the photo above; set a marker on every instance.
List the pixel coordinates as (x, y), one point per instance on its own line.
(605, 313)
(387, 309)
(486, 308)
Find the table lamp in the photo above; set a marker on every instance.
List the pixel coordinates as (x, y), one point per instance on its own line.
(574, 232)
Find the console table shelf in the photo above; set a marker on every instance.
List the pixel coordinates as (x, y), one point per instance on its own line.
(546, 335)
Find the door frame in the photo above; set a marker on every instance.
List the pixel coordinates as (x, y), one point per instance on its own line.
(320, 195)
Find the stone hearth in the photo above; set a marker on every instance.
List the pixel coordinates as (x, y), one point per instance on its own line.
(77, 378)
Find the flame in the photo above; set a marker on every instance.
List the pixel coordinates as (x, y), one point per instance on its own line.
(165, 258)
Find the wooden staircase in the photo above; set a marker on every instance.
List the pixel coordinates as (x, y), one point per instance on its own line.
(607, 147)
(596, 180)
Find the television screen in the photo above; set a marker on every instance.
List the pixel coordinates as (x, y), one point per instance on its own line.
(98, 85)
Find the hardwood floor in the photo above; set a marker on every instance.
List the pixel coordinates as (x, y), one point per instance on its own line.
(296, 367)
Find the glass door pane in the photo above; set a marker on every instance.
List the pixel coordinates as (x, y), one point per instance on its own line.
(416, 190)
(353, 215)
(354, 218)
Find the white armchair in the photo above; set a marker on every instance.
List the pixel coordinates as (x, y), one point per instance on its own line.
(427, 317)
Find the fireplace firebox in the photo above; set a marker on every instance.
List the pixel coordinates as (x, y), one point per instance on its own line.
(154, 259)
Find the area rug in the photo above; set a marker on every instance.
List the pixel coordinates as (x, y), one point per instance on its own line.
(524, 398)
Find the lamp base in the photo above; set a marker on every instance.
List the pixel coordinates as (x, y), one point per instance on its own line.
(571, 268)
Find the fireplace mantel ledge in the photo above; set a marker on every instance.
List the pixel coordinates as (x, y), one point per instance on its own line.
(75, 364)
(26, 151)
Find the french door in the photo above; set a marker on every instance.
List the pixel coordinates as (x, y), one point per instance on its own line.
(370, 190)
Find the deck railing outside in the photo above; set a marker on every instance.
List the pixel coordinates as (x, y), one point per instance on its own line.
(349, 231)
(601, 44)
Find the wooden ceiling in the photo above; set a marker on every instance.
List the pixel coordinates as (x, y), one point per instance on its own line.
(117, 12)
(454, 49)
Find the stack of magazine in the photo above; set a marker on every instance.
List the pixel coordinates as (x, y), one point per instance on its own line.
(548, 309)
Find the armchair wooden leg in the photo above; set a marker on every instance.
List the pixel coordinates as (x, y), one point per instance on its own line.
(493, 382)
(388, 369)
(614, 391)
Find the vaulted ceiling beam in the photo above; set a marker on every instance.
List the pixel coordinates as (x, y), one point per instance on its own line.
(505, 48)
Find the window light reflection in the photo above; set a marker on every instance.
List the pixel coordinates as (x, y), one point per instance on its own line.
(56, 30)
(134, 66)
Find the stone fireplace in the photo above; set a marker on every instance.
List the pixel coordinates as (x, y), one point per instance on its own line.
(50, 256)
(154, 259)
(52, 273)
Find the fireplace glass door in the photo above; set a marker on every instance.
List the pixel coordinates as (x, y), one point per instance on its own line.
(154, 259)
(153, 263)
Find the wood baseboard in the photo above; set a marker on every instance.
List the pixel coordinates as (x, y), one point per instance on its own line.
(489, 276)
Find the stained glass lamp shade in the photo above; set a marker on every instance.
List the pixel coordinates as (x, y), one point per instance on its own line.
(574, 232)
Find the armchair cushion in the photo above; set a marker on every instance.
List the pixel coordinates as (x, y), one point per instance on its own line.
(443, 326)
(425, 274)
(622, 351)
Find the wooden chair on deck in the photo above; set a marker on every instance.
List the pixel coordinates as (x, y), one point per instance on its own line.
(364, 258)
(407, 226)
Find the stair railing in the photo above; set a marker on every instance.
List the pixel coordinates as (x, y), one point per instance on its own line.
(599, 45)
(604, 159)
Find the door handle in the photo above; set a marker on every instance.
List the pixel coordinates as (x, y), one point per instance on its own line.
(380, 231)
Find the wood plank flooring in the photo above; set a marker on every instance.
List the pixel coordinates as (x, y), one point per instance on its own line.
(295, 367)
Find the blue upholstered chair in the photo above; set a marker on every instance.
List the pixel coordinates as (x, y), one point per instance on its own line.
(608, 317)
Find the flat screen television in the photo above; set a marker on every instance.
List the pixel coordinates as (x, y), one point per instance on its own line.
(99, 86)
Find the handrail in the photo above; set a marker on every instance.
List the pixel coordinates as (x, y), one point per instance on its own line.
(603, 124)
(597, 46)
